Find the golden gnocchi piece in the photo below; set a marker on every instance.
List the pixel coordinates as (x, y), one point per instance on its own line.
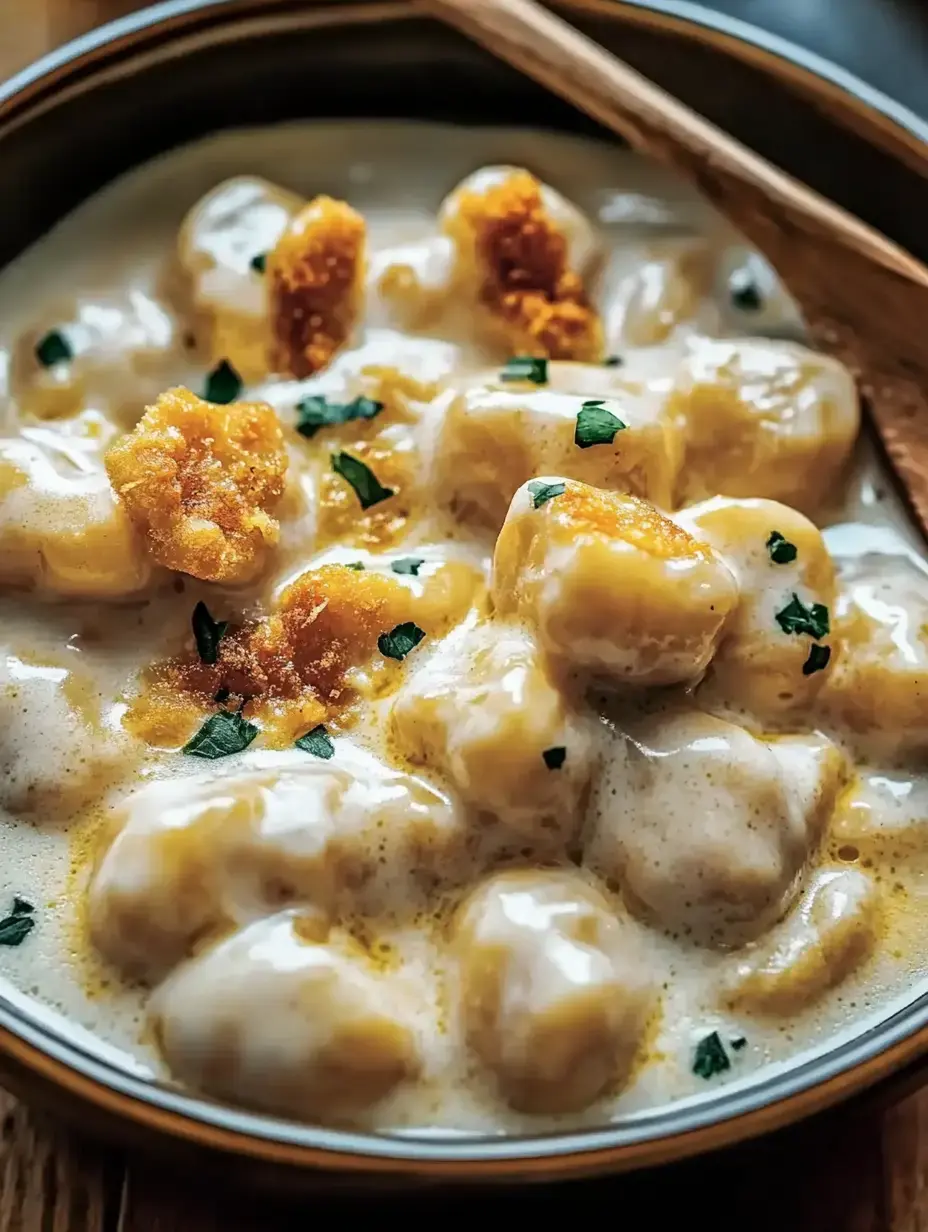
(779, 646)
(513, 253)
(553, 992)
(414, 281)
(198, 856)
(705, 828)
(315, 279)
(610, 583)
(201, 482)
(830, 933)
(880, 686)
(497, 434)
(341, 1037)
(881, 814)
(764, 419)
(484, 712)
(222, 239)
(109, 354)
(654, 293)
(62, 530)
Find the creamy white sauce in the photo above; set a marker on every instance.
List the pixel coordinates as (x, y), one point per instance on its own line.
(106, 268)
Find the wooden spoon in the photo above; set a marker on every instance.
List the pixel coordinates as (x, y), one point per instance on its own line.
(864, 299)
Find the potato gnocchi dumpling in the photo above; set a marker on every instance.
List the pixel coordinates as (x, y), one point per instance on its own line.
(610, 583)
(198, 856)
(705, 828)
(221, 254)
(62, 530)
(342, 1037)
(315, 278)
(109, 354)
(201, 483)
(653, 293)
(554, 991)
(764, 419)
(484, 712)
(779, 645)
(880, 686)
(520, 252)
(829, 934)
(881, 813)
(496, 434)
(415, 280)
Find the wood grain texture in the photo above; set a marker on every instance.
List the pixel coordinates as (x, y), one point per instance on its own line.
(860, 1173)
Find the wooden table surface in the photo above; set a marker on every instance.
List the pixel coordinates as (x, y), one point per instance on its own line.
(861, 1171)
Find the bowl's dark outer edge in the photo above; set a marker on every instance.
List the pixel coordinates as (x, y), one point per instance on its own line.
(647, 1137)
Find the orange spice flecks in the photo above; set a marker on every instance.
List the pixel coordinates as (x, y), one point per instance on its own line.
(289, 670)
(315, 279)
(200, 482)
(522, 264)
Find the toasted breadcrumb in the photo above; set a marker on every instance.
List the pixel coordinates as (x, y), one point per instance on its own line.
(521, 262)
(315, 279)
(201, 481)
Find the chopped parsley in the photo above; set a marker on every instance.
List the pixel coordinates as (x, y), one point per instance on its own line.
(223, 385)
(221, 735)
(400, 641)
(317, 411)
(358, 565)
(259, 262)
(318, 742)
(16, 927)
(208, 633)
(555, 758)
(817, 660)
(613, 361)
(526, 368)
(368, 488)
(596, 425)
(781, 551)
(542, 492)
(407, 564)
(737, 1042)
(744, 291)
(710, 1057)
(53, 348)
(797, 618)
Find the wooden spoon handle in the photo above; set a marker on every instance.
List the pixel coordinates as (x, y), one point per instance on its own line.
(539, 43)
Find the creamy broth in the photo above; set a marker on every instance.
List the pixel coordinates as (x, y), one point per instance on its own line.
(620, 796)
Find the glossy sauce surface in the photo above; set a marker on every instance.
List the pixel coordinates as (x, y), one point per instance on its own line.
(612, 783)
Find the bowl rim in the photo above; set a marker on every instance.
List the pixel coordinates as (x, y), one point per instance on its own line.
(645, 1138)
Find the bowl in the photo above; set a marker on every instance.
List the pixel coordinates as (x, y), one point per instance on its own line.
(186, 68)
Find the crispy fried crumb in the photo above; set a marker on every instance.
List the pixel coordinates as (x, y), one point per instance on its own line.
(315, 278)
(622, 516)
(201, 481)
(521, 261)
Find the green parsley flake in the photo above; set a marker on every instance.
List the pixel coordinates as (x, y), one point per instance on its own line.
(318, 742)
(358, 565)
(817, 660)
(400, 641)
(555, 758)
(223, 385)
(710, 1057)
(596, 425)
(16, 927)
(317, 412)
(781, 551)
(407, 564)
(368, 488)
(744, 291)
(53, 348)
(259, 262)
(208, 633)
(526, 368)
(221, 735)
(613, 361)
(797, 618)
(737, 1042)
(542, 492)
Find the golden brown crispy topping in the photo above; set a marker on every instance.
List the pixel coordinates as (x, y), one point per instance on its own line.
(201, 481)
(522, 263)
(316, 283)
